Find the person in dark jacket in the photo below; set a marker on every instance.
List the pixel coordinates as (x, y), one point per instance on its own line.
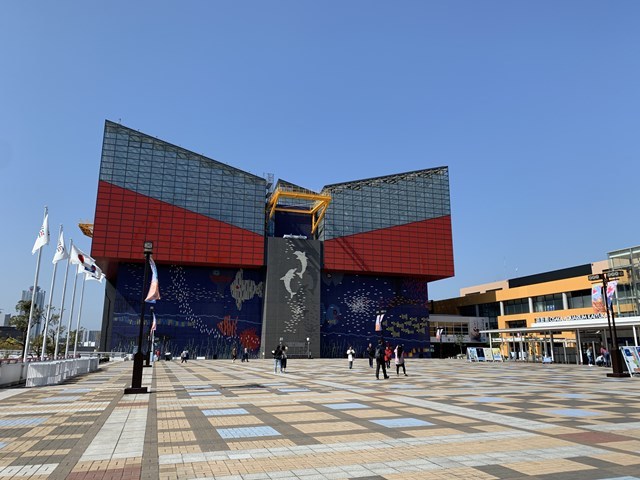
(277, 357)
(380, 361)
(371, 353)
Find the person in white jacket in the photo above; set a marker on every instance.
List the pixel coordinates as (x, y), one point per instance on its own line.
(399, 354)
(350, 353)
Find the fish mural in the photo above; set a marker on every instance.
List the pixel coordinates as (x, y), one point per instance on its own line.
(243, 290)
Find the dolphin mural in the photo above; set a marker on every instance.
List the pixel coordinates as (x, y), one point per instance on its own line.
(303, 261)
(287, 281)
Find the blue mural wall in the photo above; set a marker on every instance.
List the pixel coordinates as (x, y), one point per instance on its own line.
(208, 311)
(350, 304)
(204, 310)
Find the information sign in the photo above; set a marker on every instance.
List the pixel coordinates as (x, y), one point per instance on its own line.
(615, 274)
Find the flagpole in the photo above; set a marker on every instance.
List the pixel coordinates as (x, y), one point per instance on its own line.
(75, 345)
(43, 354)
(73, 300)
(33, 295)
(64, 291)
(33, 302)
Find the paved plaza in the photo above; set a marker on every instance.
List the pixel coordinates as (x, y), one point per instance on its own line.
(320, 420)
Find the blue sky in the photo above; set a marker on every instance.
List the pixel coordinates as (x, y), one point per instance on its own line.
(533, 106)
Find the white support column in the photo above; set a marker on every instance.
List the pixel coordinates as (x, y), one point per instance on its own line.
(578, 349)
(635, 335)
(530, 304)
(501, 308)
(564, 350)
(552, 354)
(565, 301)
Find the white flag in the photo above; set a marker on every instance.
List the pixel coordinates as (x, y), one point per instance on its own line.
(85, 262)
(61, 251)
(98, 276)
(43, 235)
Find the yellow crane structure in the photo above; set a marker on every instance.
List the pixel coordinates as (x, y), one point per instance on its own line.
(86, 228)
(287, 197)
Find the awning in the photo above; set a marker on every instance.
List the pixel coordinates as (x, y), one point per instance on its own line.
(567, 325)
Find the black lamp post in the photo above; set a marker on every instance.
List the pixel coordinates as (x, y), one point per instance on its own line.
(147, 357)
(616, 358)
(138, 358)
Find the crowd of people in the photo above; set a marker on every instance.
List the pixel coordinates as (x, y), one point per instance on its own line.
(382, 354)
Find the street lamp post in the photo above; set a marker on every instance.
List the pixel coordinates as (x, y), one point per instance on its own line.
(308, 348)
(138, 358)
(616, 359)
(150, 346)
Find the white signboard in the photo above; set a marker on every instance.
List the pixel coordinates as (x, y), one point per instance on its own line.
(632, 359)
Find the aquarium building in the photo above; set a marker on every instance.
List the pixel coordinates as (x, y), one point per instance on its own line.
(248, 262)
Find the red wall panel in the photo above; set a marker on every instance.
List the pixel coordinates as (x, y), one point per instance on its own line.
(125, 219)
(421, 248)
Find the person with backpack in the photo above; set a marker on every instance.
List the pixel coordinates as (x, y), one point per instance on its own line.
(380, 361)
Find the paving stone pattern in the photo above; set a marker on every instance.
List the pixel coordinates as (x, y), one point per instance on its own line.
(214, 419)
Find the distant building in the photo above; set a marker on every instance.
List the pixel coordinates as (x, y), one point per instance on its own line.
(552, 314)
(90, 338)
(10, 332)
(27, 295)
(39, 301)
(5, 322)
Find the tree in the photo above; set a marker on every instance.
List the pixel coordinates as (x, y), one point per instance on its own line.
(51, 333)
(21, 320)
(72, 338)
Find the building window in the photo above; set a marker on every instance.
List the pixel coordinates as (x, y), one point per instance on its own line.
(514, 307)
(548, 303)
(517, 324)
(579, 299)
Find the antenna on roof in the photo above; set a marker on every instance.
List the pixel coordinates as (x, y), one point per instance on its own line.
(269, 178)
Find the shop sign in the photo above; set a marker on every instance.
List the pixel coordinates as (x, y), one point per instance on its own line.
(569, 318)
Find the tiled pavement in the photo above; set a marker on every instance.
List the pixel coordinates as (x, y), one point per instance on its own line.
(216, 419)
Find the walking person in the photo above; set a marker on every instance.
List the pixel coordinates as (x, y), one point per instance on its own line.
(277, 359)
(371, 353)
(380, 362)
(388, 353)
(399, 353)
(245, 355)
(184, 356)
(234, 354)
(350, 353)
(283, 362)
(590, 356)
